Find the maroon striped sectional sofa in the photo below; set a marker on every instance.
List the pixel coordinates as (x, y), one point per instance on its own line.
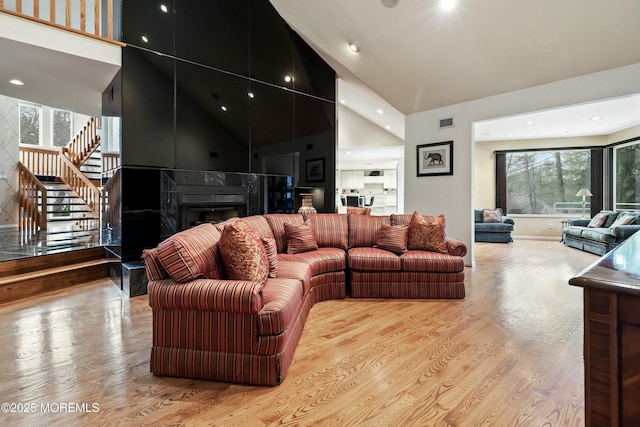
(209, 327)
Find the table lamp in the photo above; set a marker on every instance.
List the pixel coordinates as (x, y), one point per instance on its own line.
(584, 193)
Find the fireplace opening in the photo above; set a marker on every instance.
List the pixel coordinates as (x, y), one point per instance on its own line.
(192, 216)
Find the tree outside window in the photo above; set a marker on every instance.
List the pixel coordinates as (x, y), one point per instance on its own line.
(546, 182)
(627, 174)
(61, 127)
(30, 124)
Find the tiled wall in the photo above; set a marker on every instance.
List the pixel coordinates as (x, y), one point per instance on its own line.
(9, 131)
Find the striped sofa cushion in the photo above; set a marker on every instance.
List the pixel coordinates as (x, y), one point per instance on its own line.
(276, 222)
(363, 229)
(402, 219)
(272, 255)
(332, 230)
(392, 238)
(296, 270)
(281, 299)
(192, 254)
(431, 262)
(153, 267)
(243, 253)
(300, 238)
(373, 259)
(321, 261)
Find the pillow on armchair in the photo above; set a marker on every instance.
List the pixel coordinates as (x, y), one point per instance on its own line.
(492, 215)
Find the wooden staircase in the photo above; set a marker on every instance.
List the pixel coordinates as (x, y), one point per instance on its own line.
(54, 191)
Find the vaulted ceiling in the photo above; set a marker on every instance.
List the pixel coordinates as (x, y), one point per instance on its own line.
(418, 56)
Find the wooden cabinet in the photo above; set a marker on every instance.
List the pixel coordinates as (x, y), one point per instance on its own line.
(612, 337)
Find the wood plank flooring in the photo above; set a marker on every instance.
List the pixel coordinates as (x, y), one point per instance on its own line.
(509, 354)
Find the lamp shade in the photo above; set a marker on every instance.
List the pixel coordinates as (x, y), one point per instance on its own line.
(584, 192)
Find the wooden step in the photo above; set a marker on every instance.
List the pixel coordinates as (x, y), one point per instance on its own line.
(25, 277)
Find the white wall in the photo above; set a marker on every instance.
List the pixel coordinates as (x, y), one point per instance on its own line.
(454, 195)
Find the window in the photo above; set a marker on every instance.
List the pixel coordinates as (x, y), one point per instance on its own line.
(30, 124)
(545, 182)
(61, 128)
(627, 176)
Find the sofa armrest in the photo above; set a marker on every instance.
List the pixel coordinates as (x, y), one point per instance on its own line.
(580, 222)
(623, 232)
(508, 220)
(233, 296)
(456, 247)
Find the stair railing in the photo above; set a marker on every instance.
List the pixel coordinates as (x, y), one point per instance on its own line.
(86, 141)
(75, 18)
(110, 162)
(111, 202)
(84, 188)
(41, 161)
(32, 202)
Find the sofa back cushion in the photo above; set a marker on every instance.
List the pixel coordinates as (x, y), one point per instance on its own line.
(611, 218)
(332, 230)
(363, 229)
(599, 220)
(404, 219)
(392, 238)
(626, 218)
(276, 222)
(192, 254)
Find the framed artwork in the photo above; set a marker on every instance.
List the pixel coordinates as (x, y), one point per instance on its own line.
(315, 170)
(435, 159)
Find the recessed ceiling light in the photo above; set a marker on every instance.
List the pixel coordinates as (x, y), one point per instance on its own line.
(512, 135)
(145, 39)
(594, 118)
(342, 101)
(387, 127)
(223, 108)
(447, 4)
(354, 46)
(348, 153)
(530, 122)
(288, 78)
(380, 111)
(250, 95)
(16, 82)
(390, 3)
(164, 8)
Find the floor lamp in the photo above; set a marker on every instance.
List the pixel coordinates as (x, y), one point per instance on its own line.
(584, 193)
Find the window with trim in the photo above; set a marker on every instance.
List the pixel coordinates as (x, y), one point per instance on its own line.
(60, 127)
(30, 124)
(543, 182)
(626, 168)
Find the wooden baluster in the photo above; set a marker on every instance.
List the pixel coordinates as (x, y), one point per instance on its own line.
(52, 11)
(68, 13)
(36, 8)
(83, 15)
(19, 6)
(110, 18)
(96, 17)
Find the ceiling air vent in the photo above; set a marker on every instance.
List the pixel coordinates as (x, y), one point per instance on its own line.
(446, 123)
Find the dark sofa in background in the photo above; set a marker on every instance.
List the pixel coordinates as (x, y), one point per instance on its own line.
(492, 232)
(603, 232)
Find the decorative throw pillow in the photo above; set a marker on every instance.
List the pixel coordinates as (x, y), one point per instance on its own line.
(624, 219)
(352, 210)
(272, 255)
(598, 220)
(427, 235)
(393, 238)
(300, 238)
(243, 254)
(492, 215)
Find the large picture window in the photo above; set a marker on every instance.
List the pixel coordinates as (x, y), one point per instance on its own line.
(627, 176)
(545, 182)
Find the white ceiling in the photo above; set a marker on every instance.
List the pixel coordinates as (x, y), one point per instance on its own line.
(416, 57)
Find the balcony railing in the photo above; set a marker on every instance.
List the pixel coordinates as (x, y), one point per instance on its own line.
(93, 18)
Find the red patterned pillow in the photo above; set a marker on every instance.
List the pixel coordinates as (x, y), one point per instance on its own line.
(300, 238)
(243, 253)
(392, 238)
(272, 255)
(427, 235)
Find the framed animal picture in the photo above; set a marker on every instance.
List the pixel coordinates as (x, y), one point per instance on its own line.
(435, 159)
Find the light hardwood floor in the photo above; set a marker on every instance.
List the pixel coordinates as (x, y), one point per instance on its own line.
(509, 354)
